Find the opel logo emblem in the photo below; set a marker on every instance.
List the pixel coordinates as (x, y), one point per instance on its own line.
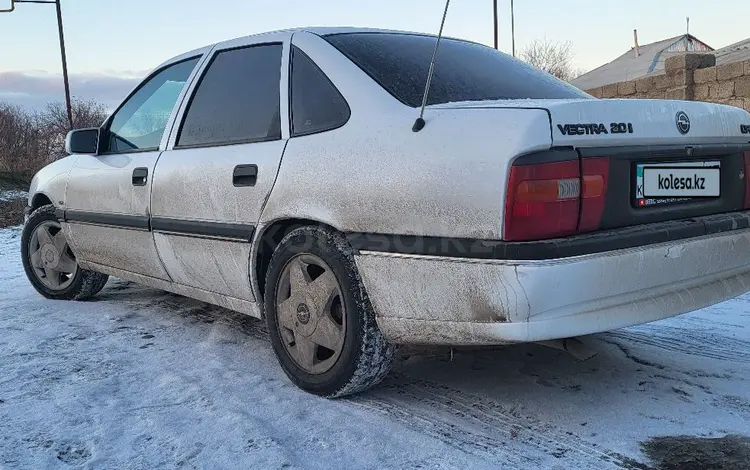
(683, 123)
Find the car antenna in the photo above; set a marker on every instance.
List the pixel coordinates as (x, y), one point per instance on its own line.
(419, 123)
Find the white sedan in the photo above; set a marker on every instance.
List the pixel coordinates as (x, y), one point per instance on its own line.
(285, 175)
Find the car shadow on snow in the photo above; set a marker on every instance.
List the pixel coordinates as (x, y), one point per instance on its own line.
(546, 400)
(139, 298)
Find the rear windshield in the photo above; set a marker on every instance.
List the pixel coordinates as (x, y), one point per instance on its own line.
(464, 71)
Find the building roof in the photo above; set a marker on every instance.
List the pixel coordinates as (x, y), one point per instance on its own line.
(650, 59)
(733, 53)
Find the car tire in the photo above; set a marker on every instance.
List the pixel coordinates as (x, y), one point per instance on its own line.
(306, 308)
(81, 284)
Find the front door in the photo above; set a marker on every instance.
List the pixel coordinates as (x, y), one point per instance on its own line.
(108, 200)
(209, 188)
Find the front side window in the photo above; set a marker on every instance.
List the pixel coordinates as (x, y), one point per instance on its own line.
(140, 123)
(464, 71)
(237, 99)
(317, 105)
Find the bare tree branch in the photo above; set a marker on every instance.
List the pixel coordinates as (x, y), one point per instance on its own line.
(553, 58)
(55, 121)
(30, 140)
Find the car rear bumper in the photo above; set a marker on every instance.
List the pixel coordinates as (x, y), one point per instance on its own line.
(421, 299)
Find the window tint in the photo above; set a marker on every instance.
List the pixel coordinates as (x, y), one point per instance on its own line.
(316, 103)
(237, 100)
(139, 124)
(464, 71)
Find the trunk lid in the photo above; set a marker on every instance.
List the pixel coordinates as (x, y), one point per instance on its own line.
(589, 122)
(664, 160)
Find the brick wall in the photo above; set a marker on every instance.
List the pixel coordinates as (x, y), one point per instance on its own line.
(689, 77)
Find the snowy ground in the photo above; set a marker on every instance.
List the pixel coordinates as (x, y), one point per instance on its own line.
(11, 194)
(140, 378)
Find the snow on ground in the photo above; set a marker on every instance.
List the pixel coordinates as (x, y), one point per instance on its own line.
(140, 378)
(11, 194)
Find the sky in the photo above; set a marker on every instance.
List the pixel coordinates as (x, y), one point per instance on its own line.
(112, 43)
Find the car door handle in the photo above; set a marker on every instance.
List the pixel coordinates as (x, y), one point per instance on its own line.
(245, 175)
(140, 176)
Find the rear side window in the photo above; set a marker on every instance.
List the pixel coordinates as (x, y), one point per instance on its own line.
(237, 99)
(317, 105)
(464, 71)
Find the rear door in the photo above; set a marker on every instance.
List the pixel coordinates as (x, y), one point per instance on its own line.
(108, 194)
(210, 186)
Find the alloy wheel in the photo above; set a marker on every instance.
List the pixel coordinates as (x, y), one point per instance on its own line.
(50, 256)
(311, 314)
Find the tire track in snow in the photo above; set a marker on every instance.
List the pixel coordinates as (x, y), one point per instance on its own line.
(701, 343)
(468, 423)
(482, 427)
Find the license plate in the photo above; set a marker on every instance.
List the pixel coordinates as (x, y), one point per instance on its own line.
(668, 183)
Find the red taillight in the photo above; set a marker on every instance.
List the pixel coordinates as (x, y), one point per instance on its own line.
(746, 161)
(542, 201)
(595, 175)
(551, 200)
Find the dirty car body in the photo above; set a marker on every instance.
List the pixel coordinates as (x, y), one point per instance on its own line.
(516, 214)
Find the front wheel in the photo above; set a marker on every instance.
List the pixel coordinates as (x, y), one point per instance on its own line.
(320, 320)
(49, 262)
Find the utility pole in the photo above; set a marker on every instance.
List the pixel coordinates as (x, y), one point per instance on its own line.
(64, 63)
(494, 20)
(513, 28)
(62, 50)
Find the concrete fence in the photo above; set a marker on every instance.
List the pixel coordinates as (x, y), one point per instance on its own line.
(689, 77)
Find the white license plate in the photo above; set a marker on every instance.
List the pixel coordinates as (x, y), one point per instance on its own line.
(681, 182)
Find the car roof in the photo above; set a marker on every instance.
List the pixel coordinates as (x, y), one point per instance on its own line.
(319, 30)
(326, 30)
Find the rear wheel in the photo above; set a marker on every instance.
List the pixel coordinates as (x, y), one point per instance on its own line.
(49, 262)
(320, 320)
